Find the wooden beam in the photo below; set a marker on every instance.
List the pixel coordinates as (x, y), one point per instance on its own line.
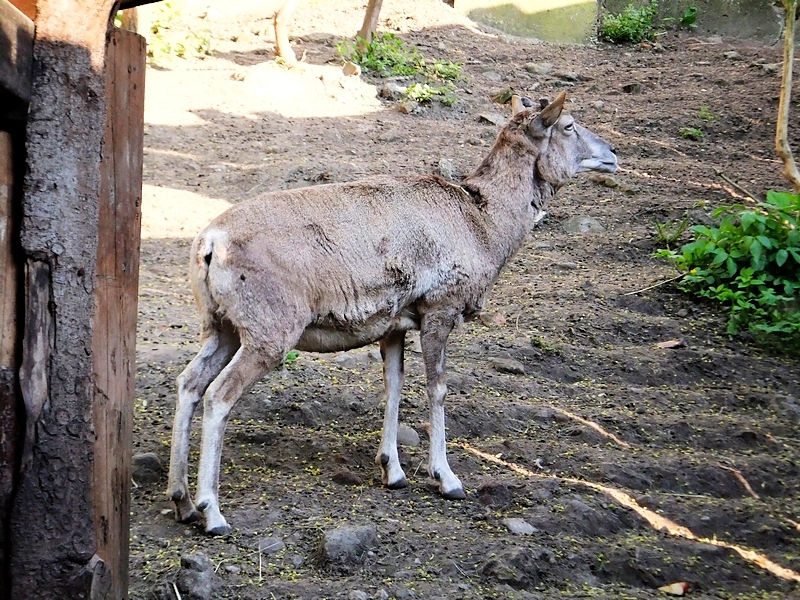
(16, 51)
(26, 7)
(116, 294)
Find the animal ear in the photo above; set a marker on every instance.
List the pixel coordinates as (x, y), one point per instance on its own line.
(517, 104)
(550, 114)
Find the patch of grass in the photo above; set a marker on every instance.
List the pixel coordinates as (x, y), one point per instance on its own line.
(705, 114)
(749, 264)
(389, 56)
(422, 92)
(631, 26)
(691, 133)
(291, 356)
(386, 55)
(669, 232)
(164, 41)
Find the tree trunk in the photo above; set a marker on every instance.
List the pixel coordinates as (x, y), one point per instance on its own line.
(785, 102)
(79, 235)
(282, 46)
(370, 20)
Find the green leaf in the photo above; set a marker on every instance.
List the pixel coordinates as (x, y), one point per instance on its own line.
(731, 266)
(781, 257)
(765, 241)
(756, 250)
(748, 218)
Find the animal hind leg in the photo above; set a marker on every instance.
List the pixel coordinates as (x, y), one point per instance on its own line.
(246, 367)
(436, 328)
(387, 458)
(217, 350)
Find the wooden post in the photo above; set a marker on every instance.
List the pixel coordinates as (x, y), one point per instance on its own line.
(116, 295)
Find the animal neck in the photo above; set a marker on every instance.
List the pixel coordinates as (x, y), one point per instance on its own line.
(510, 191)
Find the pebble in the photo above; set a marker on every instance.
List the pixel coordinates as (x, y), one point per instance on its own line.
(347, 544)
(345, 477)
(146, 468)
(508, 365)
(539, 68)
(582, 224)
(407, 436)
(519, 526)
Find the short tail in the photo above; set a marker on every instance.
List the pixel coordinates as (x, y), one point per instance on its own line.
(202, 256)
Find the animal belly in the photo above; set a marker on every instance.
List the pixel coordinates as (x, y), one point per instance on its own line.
(321, 338)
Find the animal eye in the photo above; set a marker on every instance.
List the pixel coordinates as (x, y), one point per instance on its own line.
(569, 127)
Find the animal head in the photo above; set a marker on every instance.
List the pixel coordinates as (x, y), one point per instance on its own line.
(564, 147)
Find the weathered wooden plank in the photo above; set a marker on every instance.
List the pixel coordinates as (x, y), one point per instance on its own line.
(16, 51)
(26, 7)
(116, 290)
(9, 348)
(8, 267)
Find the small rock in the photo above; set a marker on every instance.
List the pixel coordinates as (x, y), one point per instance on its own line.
(270, 545)
(392, 90)
(297, 561)
(407, 107)
(351, 69)
(146, 468)
(492, 119)
(508, 365)
(447, 169)
(233, 569)
(682, 313)
(492, 75)
(319, 37)
(346, 545)
(407, 436)
(495, 494)
(567, 76)
(771, 68)
(633, 88)
(539, 68)
(598, 105)
(403, 593)
(582, 224)
(493, 319)
(519, 526)
(732, 55)
(503, 96)
(345, 477)
(389, 137)
(357, 595)
(381, 594)
(196, 579)
(606, 180)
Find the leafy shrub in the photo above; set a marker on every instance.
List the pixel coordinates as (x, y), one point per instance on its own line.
(422, 92)
(750, 263)
(632, 25)
(163, 40)
(386, 55)
(389, 56)
(691, 133)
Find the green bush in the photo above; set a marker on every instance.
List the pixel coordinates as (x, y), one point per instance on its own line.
(386, 55)
(750, 263)
(632, 25)
(422, 92)
(389, 56)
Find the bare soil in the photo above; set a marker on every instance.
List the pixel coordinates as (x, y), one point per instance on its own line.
(704, 434)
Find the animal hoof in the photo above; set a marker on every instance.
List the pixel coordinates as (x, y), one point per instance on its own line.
(219, 530)
(192, 516)
(397, 485)
(456, 494)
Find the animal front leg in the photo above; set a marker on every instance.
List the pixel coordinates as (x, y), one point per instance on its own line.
(387, 458)
(435, 329)
(245, 368)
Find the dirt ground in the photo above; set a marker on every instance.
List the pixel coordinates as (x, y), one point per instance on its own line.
(562, 376)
